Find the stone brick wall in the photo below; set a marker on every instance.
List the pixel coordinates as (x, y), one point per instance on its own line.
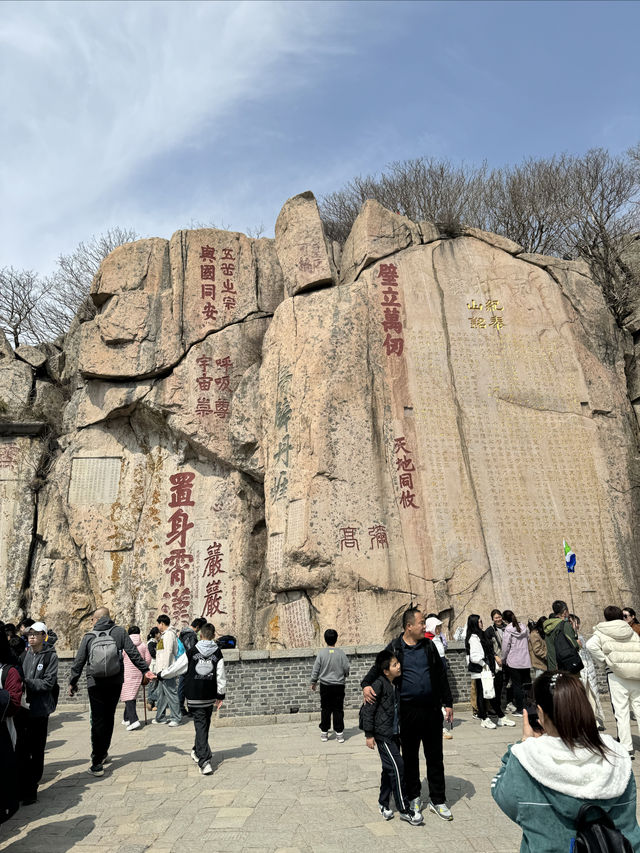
(266, 683)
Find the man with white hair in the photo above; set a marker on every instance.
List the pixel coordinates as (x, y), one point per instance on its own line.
(101, 649)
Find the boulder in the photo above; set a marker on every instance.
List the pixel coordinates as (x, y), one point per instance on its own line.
(33, 356)
(304, 253)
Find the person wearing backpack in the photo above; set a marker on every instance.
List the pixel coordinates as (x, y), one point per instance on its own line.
(40, 677)
(615, 644)
(205, 685)
(101, 651)
(563, 651)
(547, 779)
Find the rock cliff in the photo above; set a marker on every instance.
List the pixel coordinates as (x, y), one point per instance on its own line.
(285, 436)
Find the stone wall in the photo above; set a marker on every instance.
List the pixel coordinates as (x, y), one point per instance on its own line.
(268, 683)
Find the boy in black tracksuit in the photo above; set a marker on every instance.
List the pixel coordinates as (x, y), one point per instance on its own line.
(381, 729)
(205, 684)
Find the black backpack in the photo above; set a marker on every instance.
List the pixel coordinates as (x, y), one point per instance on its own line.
(598, 834)
(567, 656)
(226, 642)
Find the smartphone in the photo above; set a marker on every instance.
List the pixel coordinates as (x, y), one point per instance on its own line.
(531, 708)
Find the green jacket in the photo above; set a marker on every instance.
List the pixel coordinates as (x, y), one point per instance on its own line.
(551, 628)
(548, 817)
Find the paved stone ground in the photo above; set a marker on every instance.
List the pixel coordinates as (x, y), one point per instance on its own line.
(275, 788)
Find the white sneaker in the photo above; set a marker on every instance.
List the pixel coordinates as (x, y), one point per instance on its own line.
(441, 809)
(173, 724)
(414, 818)
(207, 770)
(415, 805)
(488, 724)
(157, 722)
(125, 722)
(446, 734)
(194, 757)
(340, 737)
(385, 811)
(505, 721)
(134, 726)
(510, 708)
(324, 736)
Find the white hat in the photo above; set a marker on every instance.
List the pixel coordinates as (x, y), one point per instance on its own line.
(38, 626)
(431, 624)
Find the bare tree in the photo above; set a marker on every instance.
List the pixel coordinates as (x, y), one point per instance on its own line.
(424, 188)
(23, 298)
(604, 216)
(71, 281)
(528, 203)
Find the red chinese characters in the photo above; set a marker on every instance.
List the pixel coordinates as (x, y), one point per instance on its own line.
(177, 603)
(377, 535)
(406, 470)
(228, 268)
(207, 283)
(213, 590)
(224, 366)
(205, 383)
(391, 306)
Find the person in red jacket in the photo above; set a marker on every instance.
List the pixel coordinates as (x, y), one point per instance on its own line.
(10, 699)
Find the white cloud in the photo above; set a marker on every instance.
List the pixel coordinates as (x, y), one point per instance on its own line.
(90, 92)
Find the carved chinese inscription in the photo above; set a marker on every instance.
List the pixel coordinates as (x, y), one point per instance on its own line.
(94, 480)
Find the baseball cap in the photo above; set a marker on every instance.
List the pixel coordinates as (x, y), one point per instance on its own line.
(38, 626)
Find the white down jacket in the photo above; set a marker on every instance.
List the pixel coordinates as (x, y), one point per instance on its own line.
(617, 645)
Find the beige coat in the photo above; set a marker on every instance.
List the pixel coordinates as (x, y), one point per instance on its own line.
(617, 645)
(537, 650)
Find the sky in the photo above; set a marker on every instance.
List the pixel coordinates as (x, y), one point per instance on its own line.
(160, 115)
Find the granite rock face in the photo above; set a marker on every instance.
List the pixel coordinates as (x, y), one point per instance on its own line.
(284, 446)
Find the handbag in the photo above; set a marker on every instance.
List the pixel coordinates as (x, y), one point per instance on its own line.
(488, 688)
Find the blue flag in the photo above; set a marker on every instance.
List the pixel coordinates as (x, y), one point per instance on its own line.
(569, 557)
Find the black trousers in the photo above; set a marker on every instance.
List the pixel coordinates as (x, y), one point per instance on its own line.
(103, 701)
(422, 724)
(482, 702)
(130, 712)
(201, 723)
(332, 704)
(519, 677)
(392, 777)
(30, 746)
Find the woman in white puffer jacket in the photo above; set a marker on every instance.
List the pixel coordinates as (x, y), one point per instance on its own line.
(616, 644)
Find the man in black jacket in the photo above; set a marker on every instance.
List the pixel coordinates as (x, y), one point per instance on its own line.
(104, 690)
(424, 690)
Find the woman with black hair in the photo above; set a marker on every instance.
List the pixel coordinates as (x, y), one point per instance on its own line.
(546, 778)
(538, 646)
(10, 699)
(480, 657)
(629, 616)
(515, 653)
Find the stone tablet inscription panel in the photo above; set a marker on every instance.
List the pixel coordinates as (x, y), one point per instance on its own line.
(94, 480)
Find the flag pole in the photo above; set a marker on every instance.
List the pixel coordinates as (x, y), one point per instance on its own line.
(573, 607)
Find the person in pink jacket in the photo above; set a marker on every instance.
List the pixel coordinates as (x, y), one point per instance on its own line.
(133, 680)
(515, 653)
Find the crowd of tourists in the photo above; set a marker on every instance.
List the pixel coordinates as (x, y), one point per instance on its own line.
(562, 760)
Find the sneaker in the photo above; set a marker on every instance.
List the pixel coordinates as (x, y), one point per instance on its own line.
(441, 809)
(96, 770)
(125, 722)
(488, 724)
(510, 707)
(475, 715)
(446, 734)
(385, 811)
(107, 759)
(505, 721)
(206, 770)
(173, 724)
(340, 737)
(324, 736)
(157, 722)
(516, 713)
(194, 757)
(415, 805)
(134, 726)
(414, 818)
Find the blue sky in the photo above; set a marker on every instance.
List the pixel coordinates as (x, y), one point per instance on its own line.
(153, 115)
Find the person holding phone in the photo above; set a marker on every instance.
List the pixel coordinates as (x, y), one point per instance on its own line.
(546, 778)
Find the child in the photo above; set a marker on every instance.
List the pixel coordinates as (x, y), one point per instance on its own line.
(380, 724)
(331, 669)
(433, 632)
(204, 686)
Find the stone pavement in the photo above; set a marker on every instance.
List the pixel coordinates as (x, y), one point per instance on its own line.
(275, 788)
